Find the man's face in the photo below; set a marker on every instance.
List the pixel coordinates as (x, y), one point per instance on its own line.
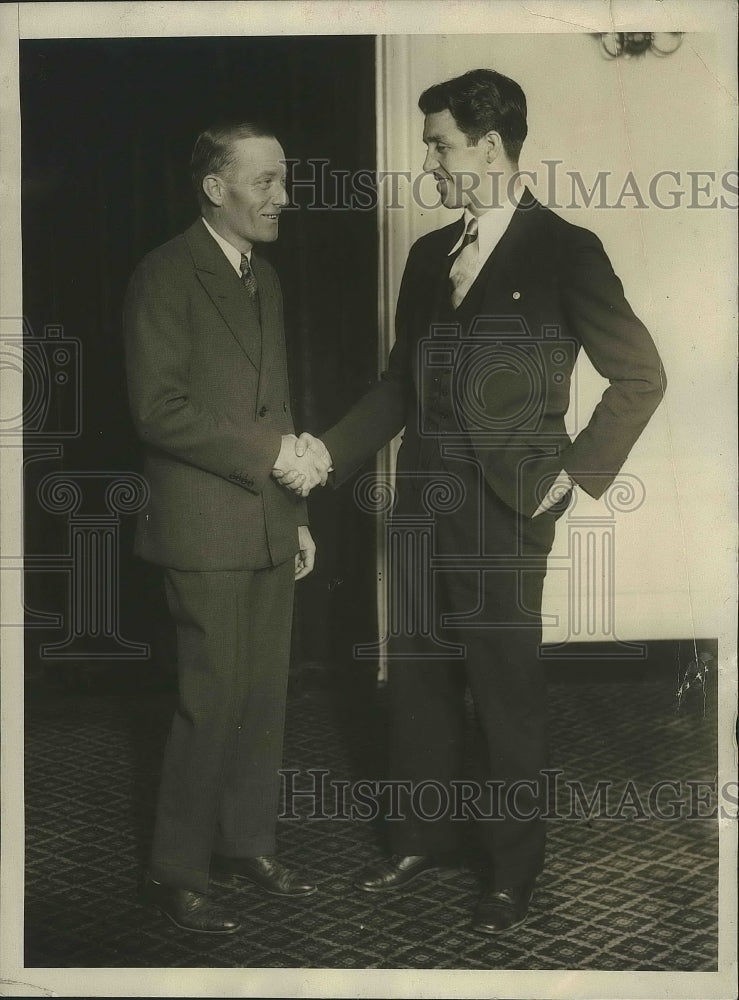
(460, 170)
(253, 192)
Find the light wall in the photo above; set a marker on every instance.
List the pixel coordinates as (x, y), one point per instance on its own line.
(674, 554)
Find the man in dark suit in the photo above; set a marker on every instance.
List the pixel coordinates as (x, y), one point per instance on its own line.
(209, 394)
(492, 312)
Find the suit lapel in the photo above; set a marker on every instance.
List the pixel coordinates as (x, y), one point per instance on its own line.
(269, 309)
(510, 259)
(432, 301)
(506, 266)
(226, 292)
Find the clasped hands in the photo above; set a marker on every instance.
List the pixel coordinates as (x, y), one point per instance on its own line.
(303, 462)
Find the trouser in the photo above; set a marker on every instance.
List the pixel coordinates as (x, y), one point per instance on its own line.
(220, 783)
(500, 636)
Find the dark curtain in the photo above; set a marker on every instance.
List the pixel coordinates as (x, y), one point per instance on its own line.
(107, 129)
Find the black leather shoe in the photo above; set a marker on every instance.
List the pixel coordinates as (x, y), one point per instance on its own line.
(266, 872)
(502, 909)
(191, 911)
(397, 871)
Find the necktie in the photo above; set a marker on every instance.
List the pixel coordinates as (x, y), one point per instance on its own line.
(464, 268)
(248, 278)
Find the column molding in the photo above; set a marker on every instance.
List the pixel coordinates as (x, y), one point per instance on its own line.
(392, 81)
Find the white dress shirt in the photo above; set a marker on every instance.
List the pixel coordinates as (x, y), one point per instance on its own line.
(233, 254)
(491, 226)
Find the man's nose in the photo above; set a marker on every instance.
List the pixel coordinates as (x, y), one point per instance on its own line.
(430, 162)
(280, 197)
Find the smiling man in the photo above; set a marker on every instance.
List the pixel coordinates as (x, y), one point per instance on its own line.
(207, 376)
(492, 313)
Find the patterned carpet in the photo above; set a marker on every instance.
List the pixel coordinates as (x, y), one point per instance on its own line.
(629, 892)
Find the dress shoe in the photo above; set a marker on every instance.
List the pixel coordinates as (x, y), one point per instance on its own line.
(397, 871)
(502, 909)
(266, 872)
(191, 911)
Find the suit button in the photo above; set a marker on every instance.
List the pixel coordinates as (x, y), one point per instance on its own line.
(263, 411)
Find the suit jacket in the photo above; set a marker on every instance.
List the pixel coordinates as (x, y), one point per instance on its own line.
(209, 395)
(497, 371)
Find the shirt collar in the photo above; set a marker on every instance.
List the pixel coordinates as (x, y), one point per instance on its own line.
(233, 254)
(490, 225)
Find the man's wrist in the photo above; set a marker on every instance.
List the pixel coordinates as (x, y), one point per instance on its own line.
(556, 492)
(287, 447)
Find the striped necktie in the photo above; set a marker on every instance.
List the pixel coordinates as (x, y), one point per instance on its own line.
(464, 268)
(248, 278)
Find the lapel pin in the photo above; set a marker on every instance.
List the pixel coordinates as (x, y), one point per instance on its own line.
(516, 295)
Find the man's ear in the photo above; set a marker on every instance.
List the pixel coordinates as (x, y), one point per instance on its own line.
(493, 146)
(213, 189)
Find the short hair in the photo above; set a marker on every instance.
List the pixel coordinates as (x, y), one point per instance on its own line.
(213, 150)
(482, 101)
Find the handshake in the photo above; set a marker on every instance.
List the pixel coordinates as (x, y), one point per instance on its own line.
(303, 463)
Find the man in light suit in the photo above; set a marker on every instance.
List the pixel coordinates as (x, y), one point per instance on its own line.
(492, 313)
(209, 394)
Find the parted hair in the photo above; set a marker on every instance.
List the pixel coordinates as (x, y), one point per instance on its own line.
(482, 101)
(213, 149)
